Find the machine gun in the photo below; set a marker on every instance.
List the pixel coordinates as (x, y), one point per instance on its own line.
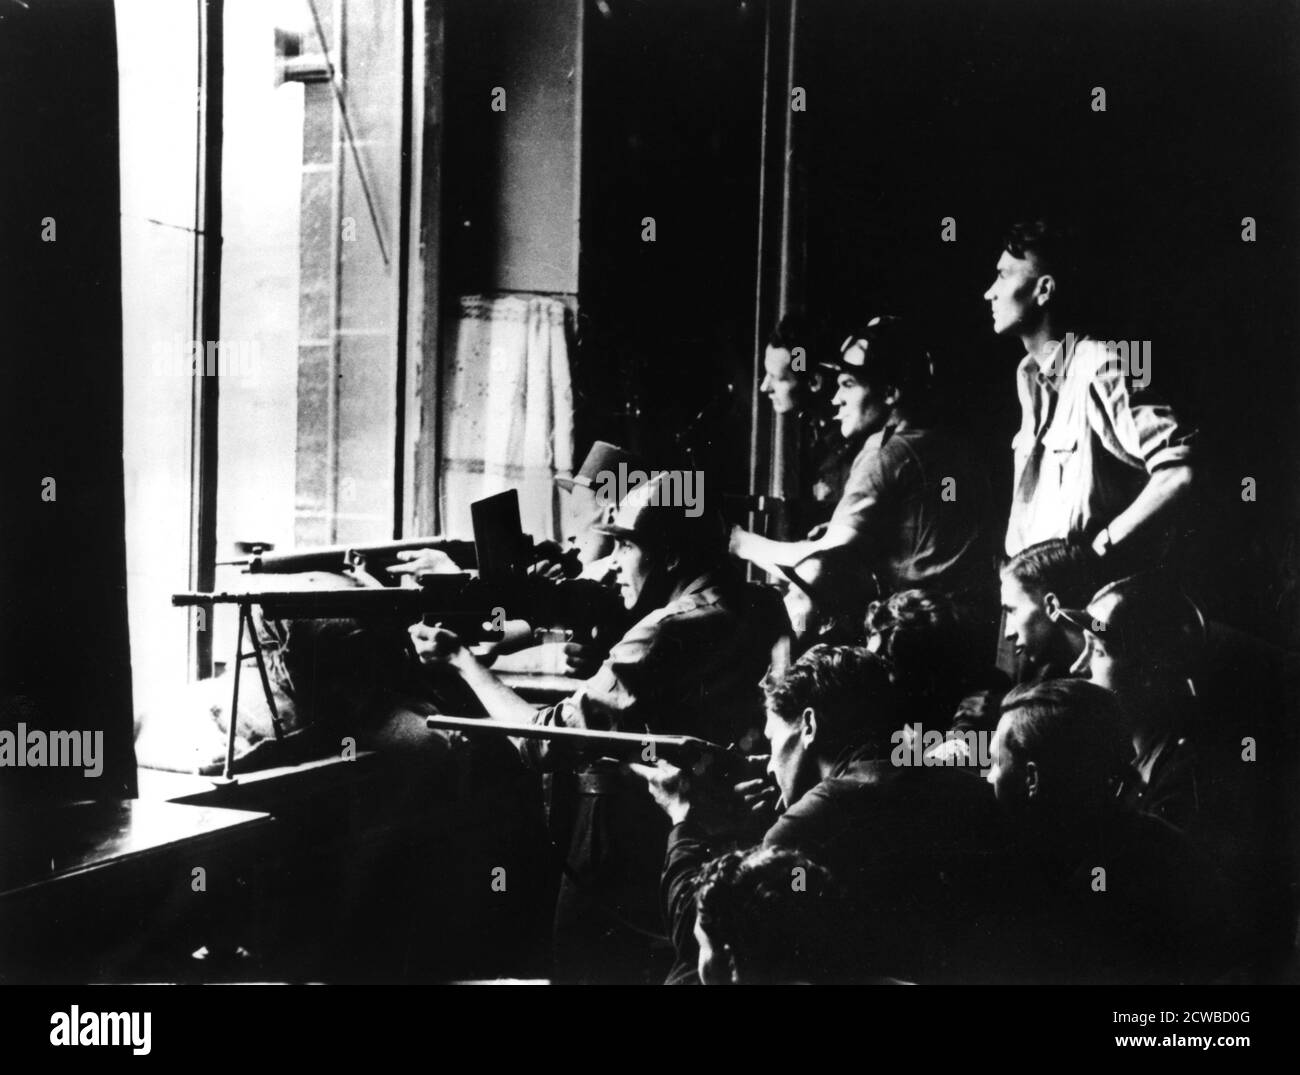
(697, 756)
(474, 608)
(339, 558)
(500, 549)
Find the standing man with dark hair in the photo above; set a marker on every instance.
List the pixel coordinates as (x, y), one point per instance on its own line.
(914, 509)
(1093, 458)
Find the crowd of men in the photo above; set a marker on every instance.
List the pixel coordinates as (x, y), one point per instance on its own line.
(956, 763)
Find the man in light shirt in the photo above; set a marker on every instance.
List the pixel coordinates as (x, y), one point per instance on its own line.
(1094, 458)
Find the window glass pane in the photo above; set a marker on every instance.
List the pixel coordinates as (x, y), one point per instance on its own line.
(307, 355)
(311, 184)
(157, 96)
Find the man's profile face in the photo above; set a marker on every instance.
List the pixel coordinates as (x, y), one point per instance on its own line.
(1011, 299)
(1107, 666)
(784, 388)
(788, 758)
(711, 968)
(631, 571)
(859, 408)
(1029, 628)
(1007, 780)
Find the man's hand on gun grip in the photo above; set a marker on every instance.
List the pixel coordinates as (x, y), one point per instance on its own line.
(582, 656)
(681, 794)
(436, 645)
(669, 786)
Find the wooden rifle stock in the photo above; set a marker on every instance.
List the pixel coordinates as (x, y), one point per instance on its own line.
(685, 751)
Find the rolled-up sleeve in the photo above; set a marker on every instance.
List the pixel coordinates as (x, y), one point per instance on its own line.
(867, 489)
(1132, 425)
(615, 698)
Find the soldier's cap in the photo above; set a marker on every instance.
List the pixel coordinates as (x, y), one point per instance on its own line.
(648, 514)
(602, 457)
(1146, 611)
(885, 350)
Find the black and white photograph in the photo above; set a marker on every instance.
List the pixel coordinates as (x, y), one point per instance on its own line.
(651, 492)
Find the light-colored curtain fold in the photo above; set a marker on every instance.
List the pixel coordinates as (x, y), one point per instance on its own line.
(507, 413)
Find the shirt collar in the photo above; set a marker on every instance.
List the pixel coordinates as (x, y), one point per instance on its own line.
(896, 424)
(1048, 368)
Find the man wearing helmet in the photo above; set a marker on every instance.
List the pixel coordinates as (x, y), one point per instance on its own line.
(689, 665)
(914, 509)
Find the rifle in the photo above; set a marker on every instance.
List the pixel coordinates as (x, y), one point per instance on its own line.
(685, 751)
(474, 608)
(337, 558)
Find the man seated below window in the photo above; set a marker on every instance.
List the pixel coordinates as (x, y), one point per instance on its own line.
(943, 671)
(1227, 781)
(919, 849)
(689, 665)
(1121, 896)
(765, 917)
(1036, 583)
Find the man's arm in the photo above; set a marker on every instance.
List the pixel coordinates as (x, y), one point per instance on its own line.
(688, 851)
(1142, 432)
(773, 555)
(1167, 490)
(435, 645)
(699, 824)
(628, 685)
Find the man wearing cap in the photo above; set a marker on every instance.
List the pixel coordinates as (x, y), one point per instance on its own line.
(689, 665)
(913, 513)
(1225, 780)
(586, 554)
(588, 509)
(1141, 638)
(1094, 457)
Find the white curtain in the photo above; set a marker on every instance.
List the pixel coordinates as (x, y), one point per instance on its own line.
(507, 414)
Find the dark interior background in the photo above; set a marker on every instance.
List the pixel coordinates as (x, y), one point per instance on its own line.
(922, 109)
(671, 130)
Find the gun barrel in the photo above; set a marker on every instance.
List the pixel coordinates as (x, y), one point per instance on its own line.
(338, 557)
(462, 602)
(685, 750)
